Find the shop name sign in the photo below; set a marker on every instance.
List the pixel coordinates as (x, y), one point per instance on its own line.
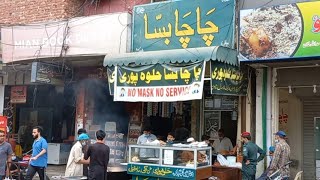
(18, 94)
(227, 79)
(162, 172)
(52, 41)
(80, 36)
(280, 32)
(159, 83)
(183, 24)
(48, 73)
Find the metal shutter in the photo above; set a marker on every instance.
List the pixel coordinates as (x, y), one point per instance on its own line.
(311, 109)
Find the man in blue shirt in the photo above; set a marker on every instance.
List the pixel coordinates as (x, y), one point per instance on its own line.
(39, 159)
(5, 155)
(145, 138)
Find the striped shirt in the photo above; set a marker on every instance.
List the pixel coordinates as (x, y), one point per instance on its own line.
(281, 156)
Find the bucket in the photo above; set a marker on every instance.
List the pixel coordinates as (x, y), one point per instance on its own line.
(231, 159)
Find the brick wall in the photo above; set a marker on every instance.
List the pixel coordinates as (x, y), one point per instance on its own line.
(30, 11)
(111, 6)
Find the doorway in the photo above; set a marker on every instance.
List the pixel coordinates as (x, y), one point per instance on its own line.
(317, 144)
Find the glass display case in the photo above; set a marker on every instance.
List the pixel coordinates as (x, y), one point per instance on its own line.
(169, 162)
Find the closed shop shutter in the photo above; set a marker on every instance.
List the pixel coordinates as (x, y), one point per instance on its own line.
(311, 109)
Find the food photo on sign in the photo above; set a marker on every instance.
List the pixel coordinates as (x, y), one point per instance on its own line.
(270, 32)
(280, 32)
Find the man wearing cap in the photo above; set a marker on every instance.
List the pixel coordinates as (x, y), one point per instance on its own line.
(250, 160)
(84, 150)
(264, 175)
(75, 160)
(281, 156)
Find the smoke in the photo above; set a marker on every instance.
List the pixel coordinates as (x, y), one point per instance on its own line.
(104, 108)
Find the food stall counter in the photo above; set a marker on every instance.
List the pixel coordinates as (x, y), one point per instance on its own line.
(169, 162)
(226, 173)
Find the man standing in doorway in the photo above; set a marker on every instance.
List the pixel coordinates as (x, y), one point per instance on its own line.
(39, 159)
(5, 155)
(223, 144)
(281, 156)
(250, 160)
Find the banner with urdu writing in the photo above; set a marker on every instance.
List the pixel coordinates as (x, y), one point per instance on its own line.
(227, 79)
(159, 83)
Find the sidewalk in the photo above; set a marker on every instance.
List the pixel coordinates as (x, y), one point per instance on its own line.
(58, 170)
(54, 170)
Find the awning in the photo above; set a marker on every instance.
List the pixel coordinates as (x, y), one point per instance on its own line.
(215, 53)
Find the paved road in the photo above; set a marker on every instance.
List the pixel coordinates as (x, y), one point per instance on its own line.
(54, 170)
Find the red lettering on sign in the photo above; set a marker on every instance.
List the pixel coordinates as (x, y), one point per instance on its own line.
(177, 91)
(145, 92)
(131, 92)
(159, 92)
(140, 92)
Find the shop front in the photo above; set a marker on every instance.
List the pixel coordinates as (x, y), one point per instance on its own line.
(287, 77)
(182, 76)
(53, 70)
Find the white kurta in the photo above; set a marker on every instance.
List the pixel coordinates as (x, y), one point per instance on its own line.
(76, 154)
(224, 144)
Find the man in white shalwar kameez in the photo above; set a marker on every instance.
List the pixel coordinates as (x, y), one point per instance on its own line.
(75, 160)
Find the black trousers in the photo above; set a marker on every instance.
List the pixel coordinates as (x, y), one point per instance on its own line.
(97, 173)
(32, 171)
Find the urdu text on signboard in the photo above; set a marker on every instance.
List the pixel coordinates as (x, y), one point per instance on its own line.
(183, 24)
(159, 83)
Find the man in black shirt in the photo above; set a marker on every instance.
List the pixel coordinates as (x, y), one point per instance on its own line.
(99, 158)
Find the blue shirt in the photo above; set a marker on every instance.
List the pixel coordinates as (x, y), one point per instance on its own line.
(5, 151)
(37, 147)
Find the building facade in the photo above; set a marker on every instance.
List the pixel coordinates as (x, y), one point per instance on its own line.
(68, 40)
(286, 64)
(71, 39)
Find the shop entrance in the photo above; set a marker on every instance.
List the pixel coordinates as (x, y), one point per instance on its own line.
(317, 145)
(220, 112)
(299, 117)
(49, 106)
